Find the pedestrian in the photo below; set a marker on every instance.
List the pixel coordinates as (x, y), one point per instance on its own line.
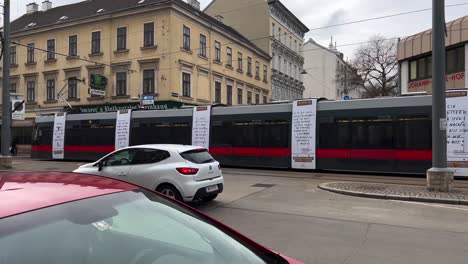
(13, 149)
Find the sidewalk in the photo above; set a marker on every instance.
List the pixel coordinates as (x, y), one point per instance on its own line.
(396, 192)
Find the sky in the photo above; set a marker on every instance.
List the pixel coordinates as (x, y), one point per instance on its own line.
(319, 13)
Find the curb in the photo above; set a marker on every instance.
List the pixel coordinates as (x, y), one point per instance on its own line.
(409, 198)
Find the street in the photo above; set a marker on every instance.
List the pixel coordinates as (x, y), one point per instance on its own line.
(286, 211)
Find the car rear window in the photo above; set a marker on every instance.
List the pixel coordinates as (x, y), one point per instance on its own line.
(197, 156)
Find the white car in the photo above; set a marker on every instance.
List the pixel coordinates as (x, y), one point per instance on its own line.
(185, 173)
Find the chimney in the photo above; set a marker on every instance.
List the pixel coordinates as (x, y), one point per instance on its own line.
(194, 3)
(46, 5)
(219, 18)
(32, 8)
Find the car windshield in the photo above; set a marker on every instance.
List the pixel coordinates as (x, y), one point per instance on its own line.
(197, 156)
(134, 227)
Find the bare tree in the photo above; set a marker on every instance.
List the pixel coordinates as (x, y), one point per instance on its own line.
(376, 66)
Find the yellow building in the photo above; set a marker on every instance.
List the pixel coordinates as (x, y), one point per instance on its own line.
(166, 48)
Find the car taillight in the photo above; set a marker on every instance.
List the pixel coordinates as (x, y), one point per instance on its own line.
(187, 171)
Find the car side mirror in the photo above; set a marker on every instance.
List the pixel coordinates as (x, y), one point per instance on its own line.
(100, 165)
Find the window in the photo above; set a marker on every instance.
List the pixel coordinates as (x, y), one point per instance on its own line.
(284, 38)
(295, 45)
(122, 38)
(50, 90)
(455, 60)
(257, 99)
(13, 87)
(121, 158)
(279, 34)
(217, 51)
(285, 66)
(96, 42)
(202, 45)
(121, 83)
(290, 42)
(420, 68)
(295, 72)
(186, 84)
(148, 156)
(239, 62)
(229, 94)
(265, 100)
(229, 56)
(249, 97)
(148, 81)
(249, 65)
(218, 92)
(186, 38)
(31, 91)
(290, 69)
(51, 49)
(72, 88)
(280, 68)
(239, 96)
(265, 72)
(273, 60)
(13, 60)
(31, 48)
(300, 48)
(257, 69)
(73, 45)
(273, 30)
(148, 38)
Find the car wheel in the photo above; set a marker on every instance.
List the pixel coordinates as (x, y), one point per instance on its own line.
(170, 191)
(209, 198)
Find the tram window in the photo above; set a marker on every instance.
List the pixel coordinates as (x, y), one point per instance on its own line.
(222, 133)
(275, 134)
(372, 133)
(414, 133)
(247, 134)
(335, 134)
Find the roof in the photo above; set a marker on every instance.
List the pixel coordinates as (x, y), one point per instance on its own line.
(421, 43)
(280, 5)
(170, 147)
(27, 191)
(88, 9)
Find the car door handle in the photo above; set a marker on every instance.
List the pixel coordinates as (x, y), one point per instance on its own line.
(122, 174)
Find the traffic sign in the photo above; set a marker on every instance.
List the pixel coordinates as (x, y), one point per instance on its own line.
(147, 100)
(346, 97)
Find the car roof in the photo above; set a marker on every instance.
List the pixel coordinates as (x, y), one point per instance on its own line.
(26, 191)
(168, 147)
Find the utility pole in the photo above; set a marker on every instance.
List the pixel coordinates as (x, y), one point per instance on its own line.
(5, 161)
(439, 177)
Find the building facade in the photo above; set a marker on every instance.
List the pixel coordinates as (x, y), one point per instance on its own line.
(272, 27)
(327, 74)
(415, 59)
(165, 48)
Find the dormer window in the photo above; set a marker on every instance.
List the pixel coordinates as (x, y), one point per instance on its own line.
(63, 18)
(100, 10)
(31, 24)
(141, 1)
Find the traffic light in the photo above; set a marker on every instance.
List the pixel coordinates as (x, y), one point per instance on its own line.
(98, 81)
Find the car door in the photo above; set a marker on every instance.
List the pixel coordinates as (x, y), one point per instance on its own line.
(118, 165)
(149, 165)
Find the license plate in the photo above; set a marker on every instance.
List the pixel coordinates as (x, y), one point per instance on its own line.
(212, 188)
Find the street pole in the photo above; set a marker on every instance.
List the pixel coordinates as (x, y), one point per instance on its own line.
(6, 109)
(439, 177)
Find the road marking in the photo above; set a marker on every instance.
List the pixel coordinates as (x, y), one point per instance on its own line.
(434, 205)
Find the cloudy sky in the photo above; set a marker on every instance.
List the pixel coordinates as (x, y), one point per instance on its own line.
(318, 13)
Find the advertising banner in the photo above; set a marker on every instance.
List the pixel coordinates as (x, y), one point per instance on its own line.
(122, 129)
(304, 118)
(201, 126)
(457, 135)
(58, 137)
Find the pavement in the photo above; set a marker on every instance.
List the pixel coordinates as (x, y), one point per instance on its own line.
(286, 211)
(397, 192)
